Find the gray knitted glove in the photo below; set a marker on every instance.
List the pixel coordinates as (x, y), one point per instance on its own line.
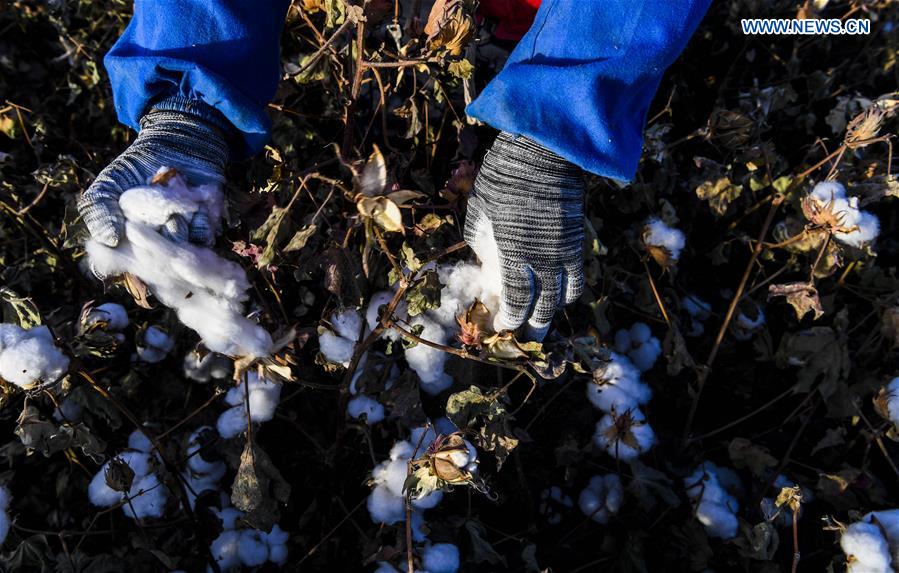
(532, 202)
(177, 132)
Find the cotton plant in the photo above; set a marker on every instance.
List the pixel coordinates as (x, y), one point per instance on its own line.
(662, 242)
(554, 503)
(871, 544)
(714, 507)
(29, 357)
(207, 292)
(146, 495)
(602, 498)
(828, 205)
(638, 343)
(264, 395)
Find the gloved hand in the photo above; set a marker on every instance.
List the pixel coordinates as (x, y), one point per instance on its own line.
(532, 202)
(177, 132)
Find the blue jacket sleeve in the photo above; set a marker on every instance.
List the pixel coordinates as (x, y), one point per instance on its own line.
(222, 52)
(581, 80)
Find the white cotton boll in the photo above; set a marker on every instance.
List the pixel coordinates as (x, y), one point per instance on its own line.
(622, 342)
(252, 550)
(658, 234)
(276, 540)
(867, 228)
(696, 307)
(138, 461)
(229, 517)
(621, 387)
(832, 195)
(264, 398)
(866, 548)
(336, 348)
(640, 333)
(371, 408)
(428, 362)
(154, 205)
(378, 300)
(155, 345)
(347, 324)
(114, 315)
(28, 357)
(204, 368)
(146, 498)
(645, 355)
(602, 498)
(224, 550)
(139, 441)
(385, 507)
(441, 558)
(625, 442)
(714, 507)
(640, 346)
(232, 422)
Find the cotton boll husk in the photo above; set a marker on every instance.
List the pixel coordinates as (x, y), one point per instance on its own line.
(659, 234)
(371, 408)
(336, 348)
(224, 550)
(865, 543)
(146, 498)
(30, 356)
(232, 422)
(252, 548)
(206, 291)
(832, 195)
(428, 362)
(441, 558)
(101, 494)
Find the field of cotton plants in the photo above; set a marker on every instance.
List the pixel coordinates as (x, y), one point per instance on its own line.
(323, 389)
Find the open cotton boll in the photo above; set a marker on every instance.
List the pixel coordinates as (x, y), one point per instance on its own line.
(276, 539)
(228, 516)
(363, 405)
(207, 367)
(347, 324)
(625, 436)
(714, 507)
(232, 422)
(866, 549)
(658, 234)
(617, 385)
(252, 548)
(212, 471)
(749, 320)
(224, 550)
(378, 300)
(154, 344)
(602, 498)
(336, 349)
(426, 361)
(113, 314)
(147, 498)
(29, 357)
(264, 396)
(440, 558)
(639, 345)
(139, 441)
(206, 291)
(865, 226)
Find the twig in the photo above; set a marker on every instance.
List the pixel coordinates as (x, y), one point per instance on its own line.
(408, 501)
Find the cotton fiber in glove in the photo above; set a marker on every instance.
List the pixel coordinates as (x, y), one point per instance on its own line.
(531, 201)
(207, 291)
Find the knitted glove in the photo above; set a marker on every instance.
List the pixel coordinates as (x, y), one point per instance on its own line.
(532, 203)
(177, 132)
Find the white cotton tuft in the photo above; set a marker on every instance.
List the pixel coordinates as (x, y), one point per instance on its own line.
(147, 498)
(139, 441)
(617, 386)
(378, 300)
(224, 550)
(624, 440)
(264, 396)
(639, 345)
(657, 234)
(864, 226)
(602, 498)
(336, 349)
(29, 357)
(205, 368)
(426, 361)
(714, 507)
(866, 549)
(347, 324)
(369, 407)
(699, 311)
(154, 344)
(276, 539)
(197, 464)
(386, 503)
(440, 558)
(206, 291)
(749, 320)
(252, 548)
(101, 494)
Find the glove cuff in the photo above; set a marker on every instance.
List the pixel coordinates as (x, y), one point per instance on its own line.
(195, 108)
(526, 151)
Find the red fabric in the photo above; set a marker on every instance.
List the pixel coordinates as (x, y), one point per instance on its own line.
(515, 16)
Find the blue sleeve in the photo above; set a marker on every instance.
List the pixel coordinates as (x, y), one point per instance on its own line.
(581, 80)
(222, 52)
